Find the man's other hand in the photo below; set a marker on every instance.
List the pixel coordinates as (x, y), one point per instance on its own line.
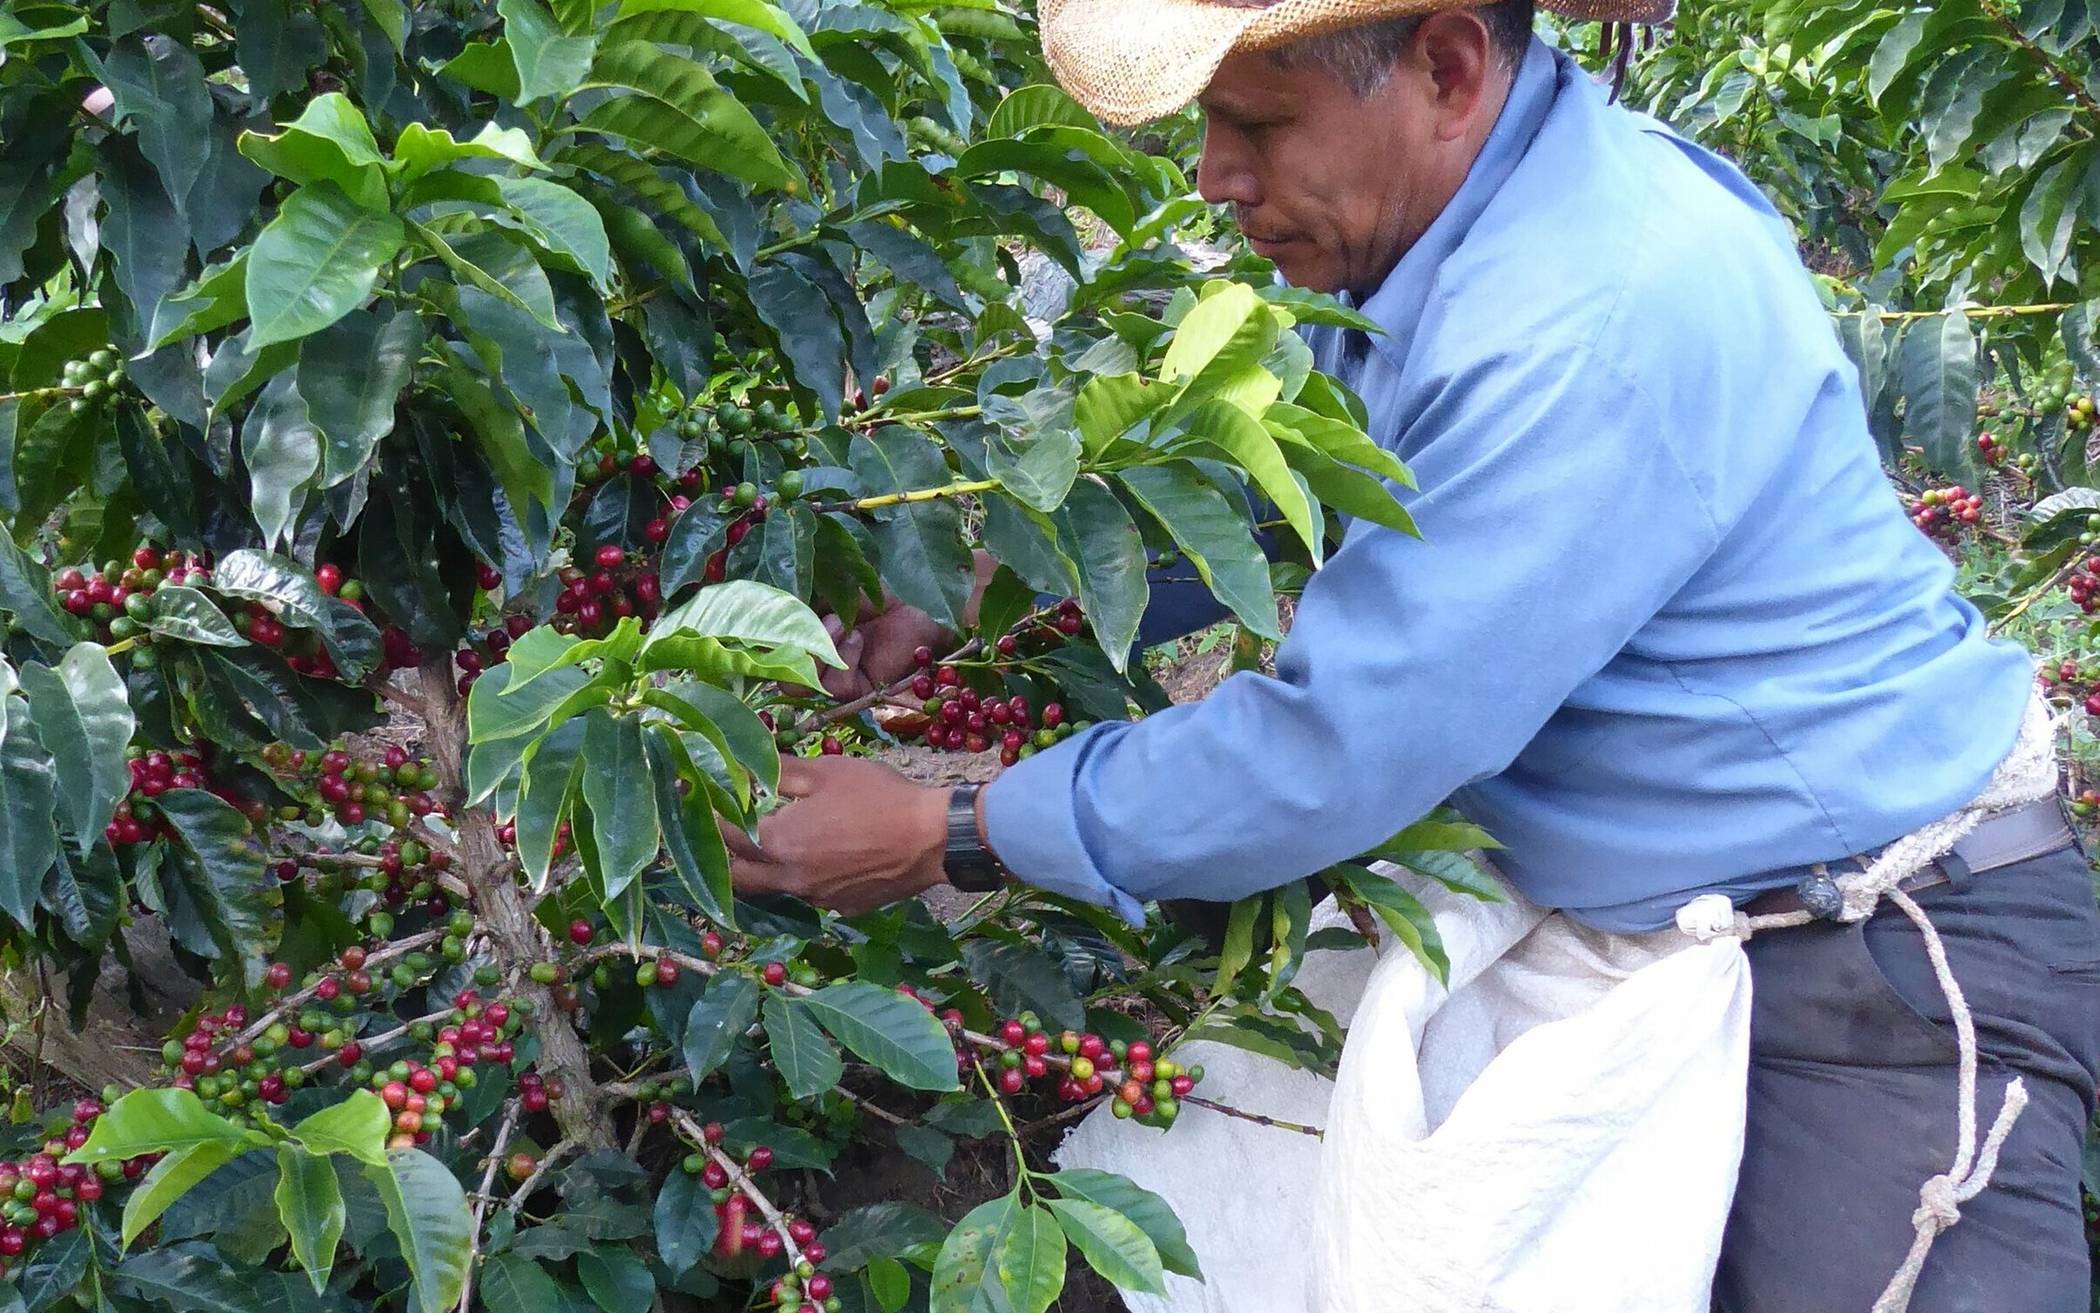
(879, 650)
(854, 836)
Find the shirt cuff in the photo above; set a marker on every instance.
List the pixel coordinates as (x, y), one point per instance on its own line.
(1033, 826)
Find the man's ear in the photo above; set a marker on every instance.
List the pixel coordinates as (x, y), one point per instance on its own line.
(1457, 53)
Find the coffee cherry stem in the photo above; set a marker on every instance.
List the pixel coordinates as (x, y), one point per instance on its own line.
(385, 1039)
(482, 1197)
(740, 1181)
(548, 1160)
(290, 1003)
(1259, 1119)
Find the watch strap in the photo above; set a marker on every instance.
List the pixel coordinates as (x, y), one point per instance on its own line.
(965, 861)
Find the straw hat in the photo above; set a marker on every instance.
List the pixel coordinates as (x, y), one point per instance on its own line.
(1133, 60)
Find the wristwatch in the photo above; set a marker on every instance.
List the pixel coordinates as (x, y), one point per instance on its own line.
(965, 861)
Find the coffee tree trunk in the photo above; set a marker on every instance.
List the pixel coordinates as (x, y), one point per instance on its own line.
(514, 937)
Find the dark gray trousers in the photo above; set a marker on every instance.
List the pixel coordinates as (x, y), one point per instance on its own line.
(1852, 1102)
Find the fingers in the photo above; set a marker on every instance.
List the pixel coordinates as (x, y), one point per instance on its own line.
(850, 681)
(799, 777)
(739, 844)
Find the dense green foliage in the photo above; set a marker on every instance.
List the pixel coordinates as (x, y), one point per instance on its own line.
(429, 434)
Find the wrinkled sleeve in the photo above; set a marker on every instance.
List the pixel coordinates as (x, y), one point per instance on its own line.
(1557, 518)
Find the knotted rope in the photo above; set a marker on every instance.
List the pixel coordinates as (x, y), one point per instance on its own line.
(2028, 774)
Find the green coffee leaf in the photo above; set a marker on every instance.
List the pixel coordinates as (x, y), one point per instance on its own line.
(891, 1031)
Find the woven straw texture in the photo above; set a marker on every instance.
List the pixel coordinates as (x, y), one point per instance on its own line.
(1130, 61)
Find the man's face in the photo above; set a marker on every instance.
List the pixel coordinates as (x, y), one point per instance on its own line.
(1334, 186)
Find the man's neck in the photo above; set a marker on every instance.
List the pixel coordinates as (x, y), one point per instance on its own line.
(1420, 210)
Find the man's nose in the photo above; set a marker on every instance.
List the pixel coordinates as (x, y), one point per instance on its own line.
(1225, 173)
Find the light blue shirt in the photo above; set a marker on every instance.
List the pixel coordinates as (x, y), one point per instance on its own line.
(1667, 629)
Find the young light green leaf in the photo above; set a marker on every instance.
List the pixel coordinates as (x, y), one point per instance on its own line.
(748, 612)
(356, 1127)
(329, 142)
(1241, 440)
(1113, 1245)
(314, 263)
(1152, 1214)
(1031, 1259)
(170, 1179)
(159, 1121)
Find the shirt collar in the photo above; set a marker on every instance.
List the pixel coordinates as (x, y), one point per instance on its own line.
(1397, 304)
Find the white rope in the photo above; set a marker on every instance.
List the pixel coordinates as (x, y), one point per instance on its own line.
(2028, 774)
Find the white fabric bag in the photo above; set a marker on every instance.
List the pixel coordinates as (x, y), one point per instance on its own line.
(1556, 1132)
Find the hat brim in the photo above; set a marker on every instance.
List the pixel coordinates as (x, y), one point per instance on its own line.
(1131, 61)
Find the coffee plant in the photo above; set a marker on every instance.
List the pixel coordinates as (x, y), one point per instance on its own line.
(432, 436)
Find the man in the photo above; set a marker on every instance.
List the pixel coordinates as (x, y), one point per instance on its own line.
(1667, 631)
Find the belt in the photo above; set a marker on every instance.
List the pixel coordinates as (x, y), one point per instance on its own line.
(2005, 839)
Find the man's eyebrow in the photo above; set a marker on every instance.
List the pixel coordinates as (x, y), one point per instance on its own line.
(1229, 109)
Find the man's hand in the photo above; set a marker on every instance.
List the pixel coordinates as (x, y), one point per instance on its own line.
(855, 836)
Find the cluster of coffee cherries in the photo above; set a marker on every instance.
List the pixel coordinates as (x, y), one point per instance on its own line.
(96, 379)
(417, 1093)
(405, 877)
(618, 584)
(2078, 412)
(392, 789)
(220, 1067)
(153, 773)
(2086, 803)
(1944, 512)
(742, 1230)
(961, 719)
(41, 1197)
(1146, 1088)
(2084, 585)
(117, 598)
(1998, 454)
(730, 430)
(807, 1291)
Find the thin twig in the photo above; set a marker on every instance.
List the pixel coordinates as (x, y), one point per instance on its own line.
(1258, 1119)
(292, 1001)
(481, 1201)
(530, 1183)
(911, 496)
(373, 1044)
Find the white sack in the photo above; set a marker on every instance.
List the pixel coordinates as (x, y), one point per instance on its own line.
(1556, 1133)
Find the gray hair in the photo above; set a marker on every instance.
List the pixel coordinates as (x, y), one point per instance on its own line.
(1362, 57)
